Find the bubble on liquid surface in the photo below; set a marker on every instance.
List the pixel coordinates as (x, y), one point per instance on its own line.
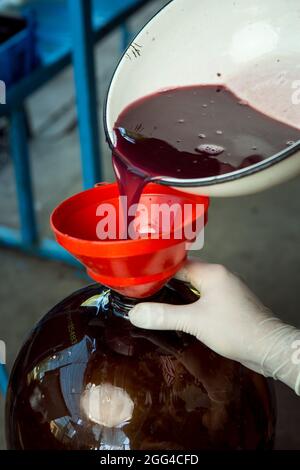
(204, 105)
(290, 142)
(219, 132)
(254, 148)
(202, 136)
(181, 121)
(210, 149)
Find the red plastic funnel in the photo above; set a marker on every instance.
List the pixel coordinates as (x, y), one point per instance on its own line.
(133, 267)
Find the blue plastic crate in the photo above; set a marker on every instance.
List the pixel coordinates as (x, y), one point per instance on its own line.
(17, 52)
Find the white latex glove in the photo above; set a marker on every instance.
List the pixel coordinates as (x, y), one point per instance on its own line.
(231, 321)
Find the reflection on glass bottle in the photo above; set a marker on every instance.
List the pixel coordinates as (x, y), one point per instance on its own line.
(87, 379)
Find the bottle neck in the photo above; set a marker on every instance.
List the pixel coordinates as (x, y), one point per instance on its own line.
(121, 305)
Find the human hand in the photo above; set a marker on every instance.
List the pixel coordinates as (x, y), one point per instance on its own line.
(230, 320)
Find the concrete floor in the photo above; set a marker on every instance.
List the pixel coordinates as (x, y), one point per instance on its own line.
(256, 236)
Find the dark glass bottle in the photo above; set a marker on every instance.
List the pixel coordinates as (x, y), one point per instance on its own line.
(87, 379)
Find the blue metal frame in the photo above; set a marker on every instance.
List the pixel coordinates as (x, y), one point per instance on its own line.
(3, 379)
(86, 93)
(46, 248)
(20, 157)
(84, 33)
